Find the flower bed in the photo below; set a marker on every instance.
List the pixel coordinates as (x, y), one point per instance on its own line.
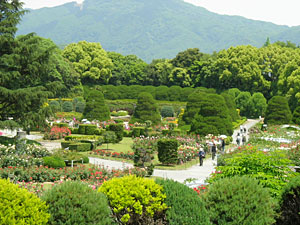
(42, 174)
(122, 155)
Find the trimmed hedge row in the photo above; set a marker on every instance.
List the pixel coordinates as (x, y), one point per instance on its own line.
(167, 151)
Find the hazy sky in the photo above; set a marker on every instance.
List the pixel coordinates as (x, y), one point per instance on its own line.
(283, 12)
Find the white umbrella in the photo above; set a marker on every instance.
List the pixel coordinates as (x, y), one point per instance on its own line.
(223, 136)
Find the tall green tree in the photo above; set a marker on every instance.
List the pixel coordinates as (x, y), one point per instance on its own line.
(28, 73)
(95, 108)
(256, 106)
(278, 111)
(146, 109)
(90, 60)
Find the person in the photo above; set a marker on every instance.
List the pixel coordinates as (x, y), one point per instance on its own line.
(223, 144)
(213, 151)
(201, 154)
(244, 140)
(245, 130)
(238, 140)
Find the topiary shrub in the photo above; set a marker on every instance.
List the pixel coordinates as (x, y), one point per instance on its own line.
(18, 206)
(81, 129)
(65, 144)
(76, 203)
(239, 200)
(138, 131)
(54, 162)
(118, 129)
(67, 106)
(74, 130)
(185, 205)
(290, 203)
(167, 151)
(135, 200)
(167, 111)
(90, 129)
(80, 147)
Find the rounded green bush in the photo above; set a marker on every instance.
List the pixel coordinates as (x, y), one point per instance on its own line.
(239, 200)
(135, 200)
(18, 206)
(54, 162)
(185, 205)
(290, 203)
(76, 203)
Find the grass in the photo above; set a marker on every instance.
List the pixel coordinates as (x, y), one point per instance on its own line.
(123, 146)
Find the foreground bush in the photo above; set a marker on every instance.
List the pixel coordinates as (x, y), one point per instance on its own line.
(239, 200)
(290, 203)
(76, 203)
(185, 205)
(135, 200)
(18, 206)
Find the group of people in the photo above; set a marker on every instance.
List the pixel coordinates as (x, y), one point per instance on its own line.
(212, 147)
(241, 136)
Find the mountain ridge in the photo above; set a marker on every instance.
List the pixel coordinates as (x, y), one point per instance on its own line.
(150, 29)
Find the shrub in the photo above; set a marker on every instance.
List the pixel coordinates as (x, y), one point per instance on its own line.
(80, 147)
(290, 203)
(82, 137)
(278, 111)
(146, 109)
(18, 206)
(138, 131)
(296, 115)
(55, 106)
(76, 203)
(81, 129)
(80, 107)
(185, 206)
(167, 111)
(271, 169)
(74, 130)
(57, 133)
(118, 129)
(167, 151)
(239, 200)
(90, 129)
(95, 108)
(65, 144)
(54, 162)
(67, 106)
(135, 200)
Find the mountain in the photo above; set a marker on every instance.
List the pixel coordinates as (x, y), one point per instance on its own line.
(150, 29)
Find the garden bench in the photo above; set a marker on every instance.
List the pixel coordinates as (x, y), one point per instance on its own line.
(72, 161)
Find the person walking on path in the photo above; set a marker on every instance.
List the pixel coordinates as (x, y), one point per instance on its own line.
(213, 151)
(201, 155)
(223, 144)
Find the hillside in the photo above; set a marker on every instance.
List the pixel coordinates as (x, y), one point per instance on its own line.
(150, 29)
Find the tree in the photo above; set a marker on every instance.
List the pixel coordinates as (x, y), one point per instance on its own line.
(95, 108)
(278, 111)
(28, 76)
(90, 60)
(296, 115)
(241, 102)
(257, 105)
(231, 106)
(146, 109)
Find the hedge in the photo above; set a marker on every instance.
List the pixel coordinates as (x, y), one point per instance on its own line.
(80, 147)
